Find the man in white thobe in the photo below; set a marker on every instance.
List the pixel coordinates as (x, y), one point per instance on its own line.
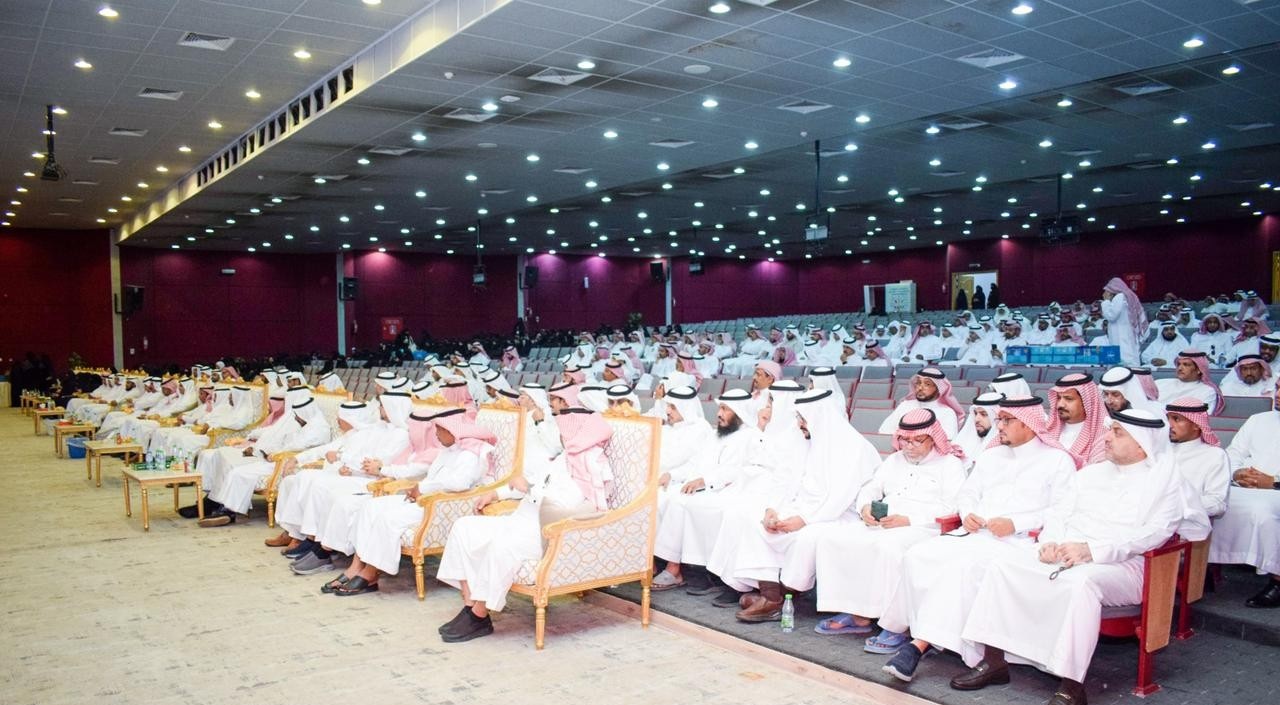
(1121, 389)
(1164, 349)
(930, 389)
(1078, 417)
(725, 472)
(925, 346)
(686, 435)
(1215, 337)
(1192, 380)
(1126, 319)
(858, 559)
(1001, 503)
(768, 552)
(1043, 604)
(975, 349)
(1249, 531)
(1250, 378)
(975, 435)
(1198, 454)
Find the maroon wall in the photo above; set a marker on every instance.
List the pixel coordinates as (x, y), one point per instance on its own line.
(430, 292)
(616, 287)
(193, 313)
(55, 294)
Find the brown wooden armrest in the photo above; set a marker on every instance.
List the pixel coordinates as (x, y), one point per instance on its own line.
(394, 486)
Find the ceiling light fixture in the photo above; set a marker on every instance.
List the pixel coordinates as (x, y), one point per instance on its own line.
(719, 8)
(532, 158)
(710, 103)
(935, 162)
(1209, 145)
(862, 119)
(471, 177)
(108, 12)
(302, 54)
(1231, 70)
(663, 166)
(1046, 143)
(1180, 120)
(1008, 84)
(850, 147)
(418, 137)
(610, 134)
(215, 125)
(1193, 43)
(1065, 102)
(932, 130)
(82, 64)
(586, 64)
(183, 148)
(591, 184)
(751, 145)
(489, 107)
(252, 94)
(1022, 8)
(842, 62)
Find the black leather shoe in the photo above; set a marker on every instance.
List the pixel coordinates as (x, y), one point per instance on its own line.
(728, 597)
(1267, 598)
(1069, 693)
(452, 624)
(981, 676)
(472, 627)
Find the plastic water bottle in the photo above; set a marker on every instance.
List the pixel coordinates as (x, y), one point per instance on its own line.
(788, 615)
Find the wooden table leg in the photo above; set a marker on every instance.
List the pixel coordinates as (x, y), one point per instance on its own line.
(128, 508)
(98, 466)
(57, 443)
(146, 516)
(175, 498)
(199, 500)
(88, 464)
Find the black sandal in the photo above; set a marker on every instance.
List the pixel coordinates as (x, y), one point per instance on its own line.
(355, 586)
(334, 584)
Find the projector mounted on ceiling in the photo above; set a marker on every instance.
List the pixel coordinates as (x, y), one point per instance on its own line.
(51, 170)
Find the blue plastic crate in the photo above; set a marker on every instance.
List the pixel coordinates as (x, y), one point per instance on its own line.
(1046, 355)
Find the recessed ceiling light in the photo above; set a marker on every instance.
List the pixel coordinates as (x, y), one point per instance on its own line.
(710, 103)
(842, 178)
(719, 8)
(862, 119)
(82, 64)
(1231, 70)
(252, 94)
(489, 107)
(1180, 120)
(850, 147)
(591, 184)
(666, 186)
(372, 2)
(215, 125)
(470, 177)
(344, 219)
(59, 110)
(610, 134)
(379, 207)
(1046, 143)
(1195, 177)
(981, 179)
(29, 174)
(531, 198)
(108, 12)
(1171, 161)
(363, 161)
(586, 64)
(1008, 84)
(1065, 102)
(932, 130)
(765, 192)
(126, 199)
(184, 148)
(1097, 189)
(1209, 145)
(935, 162)
(418, 137)
(162, 168)
(1022, 8)
(532, 158)
(606, 199)
(1084, 164)
(1067, 175)
(1193, 43)
(663, 166)
(842, 62)
(751, 145)
(21, 189)
(38, 155)
(302, 54)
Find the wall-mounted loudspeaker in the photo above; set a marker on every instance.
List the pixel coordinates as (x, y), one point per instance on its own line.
(530, 277)
(658, 271)
(348, 288)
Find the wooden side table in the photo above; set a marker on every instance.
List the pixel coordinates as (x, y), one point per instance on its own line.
(147, 479)
(42, 414)
(94, 450)
(62, 432)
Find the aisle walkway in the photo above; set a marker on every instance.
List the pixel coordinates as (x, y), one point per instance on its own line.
(97, 611)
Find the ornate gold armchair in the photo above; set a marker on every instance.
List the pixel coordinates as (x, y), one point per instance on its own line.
(612, 547)
(439, 511)
(218, 437)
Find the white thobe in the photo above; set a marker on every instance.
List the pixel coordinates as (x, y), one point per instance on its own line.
(1233, 386)
(682, 455)
(1174, 388)
(975, 353)
(1120, 512)
(1249, 531)
(750, 352)
(1036, 336)
(946, 416)
(241, 479)
(1215, 345)
(1167, 350)
(940, 577)
(488, 551)
(858, 566)
(382, 523)
(1207, 469)
(928, 348)
(688, 528)
(1248, 346)
(1120, 329)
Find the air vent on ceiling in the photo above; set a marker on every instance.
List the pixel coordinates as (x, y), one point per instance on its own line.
(84, 182)
(1141, 166)
(565, 209)
(331, 177)
(934, 194)
(804, 107)
(160, 94)
(1043, 179)
(69, 199)
(1120, 194)
(828, 153)
(469, 115)
(127, 132)
(439, 209)
(1144, 88)
(990, 58)
(1247, 126)
(1082, 152)
(206, 41)
(719, 174)
(495, 191)
(634, 194)
(671, 143)
(575, 170)
(766, 3)
(839, 191)
(391, 151)
(947, 173)
(60, 214)
(104, 160)
(959, 124)
(559, 77)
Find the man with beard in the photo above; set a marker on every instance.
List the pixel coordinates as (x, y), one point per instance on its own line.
(1165, 348)
(1078, 417)
(1192, 380)
(930, 390)
(1251, 378)
(1121, 389)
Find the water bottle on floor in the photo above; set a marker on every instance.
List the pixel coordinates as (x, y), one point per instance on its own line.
(788, 614)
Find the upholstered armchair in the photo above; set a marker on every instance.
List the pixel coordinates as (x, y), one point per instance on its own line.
(269, 487)
(608, 548)
(218, 437)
